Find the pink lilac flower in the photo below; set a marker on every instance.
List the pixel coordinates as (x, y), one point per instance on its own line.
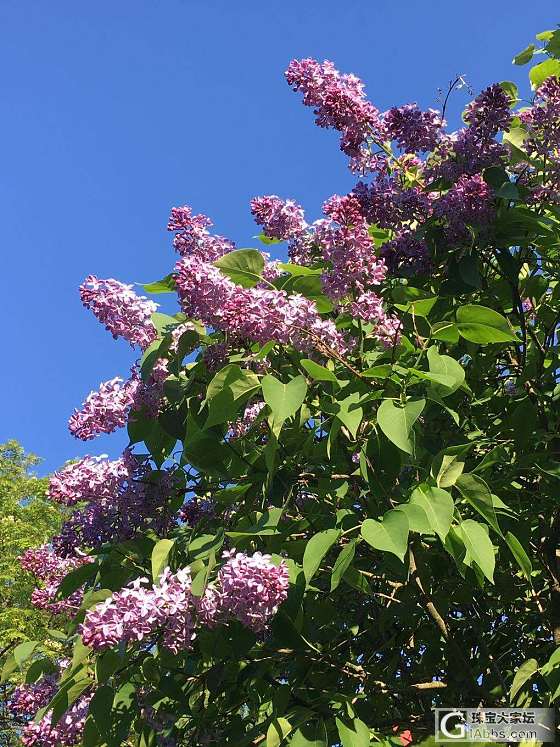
(91, 478)
(49, 568)
(256, 314)
(117, 306)
(131, 614)
(348, 247)
(192, 237)
(66, 733)
(140, 501)
(338, 101)
(177, 333)
(413, 129)
(280, 219)
(467, 203)
(406, 255)
(369, 307)
(148, 394)
(27, 699)
(242, 426)
(174, 594)
(252, 587)
(104, 410)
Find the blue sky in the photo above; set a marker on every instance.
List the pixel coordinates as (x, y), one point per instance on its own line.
(115, 111)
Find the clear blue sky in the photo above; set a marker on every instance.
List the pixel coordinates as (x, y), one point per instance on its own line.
(115, 111)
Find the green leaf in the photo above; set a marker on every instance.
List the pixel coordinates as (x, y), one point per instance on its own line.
(445, 331)
(350, 413)
(313, 734)
(283, 399)
(482, 325)
(239, 381)
(160, 554)
(523, 675)
(396, 422)
(243, 266)
(76, 579)
(100, 708)
(354, 735)
(417, 518)
(106, 664)
(437, 505)
(345, 557)
(316, 549)
(201, 546)
(388, 535)
(478, 546)
(446, 366)
(277, 730)
(446, 468)
(8, 668)
(518, 552)
(38, 668)
(547, 69)
(165, 285)
(525, 56)
(476, 492)
(23, 651)
(318, 372)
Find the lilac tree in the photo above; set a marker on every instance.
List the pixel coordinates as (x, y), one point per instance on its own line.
(338, 507)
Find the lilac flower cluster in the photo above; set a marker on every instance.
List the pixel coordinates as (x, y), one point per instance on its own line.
(192, 238)
(49, 569)
(388, 204)
(196, 510)
(406, 255)
(280, 219)
(338, 101)
(249, 589)
(467, 203)
(67, 732)
(26, 699)
(108, 408)
(104, 410)
(137, 500)
(413, 129)
(346, 244)
(91, 478)
(252, 588)
(242, 426)
(117, 306)
(255, 314)
(369, 307)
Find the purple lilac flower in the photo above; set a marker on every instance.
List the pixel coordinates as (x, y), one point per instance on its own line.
(280, 219)
(192, 237)
(406, 255)
(117, 306)
(489, 112)
(467, 203)
(338, 101)
(413, 129)
(242, 426)
(26, 699)
(369, 307)
(49, 569)
(387, 204)
(347, 245)
(139, 501)
(252, 313)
